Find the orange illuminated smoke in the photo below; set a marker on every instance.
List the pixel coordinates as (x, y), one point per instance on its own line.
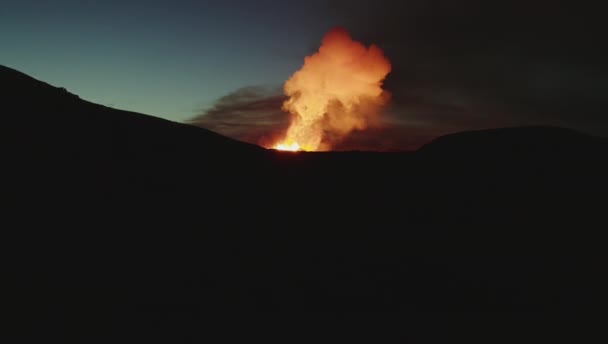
(337, 91)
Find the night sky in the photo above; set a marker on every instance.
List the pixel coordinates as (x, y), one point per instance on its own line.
(457, 65)
(164, 58)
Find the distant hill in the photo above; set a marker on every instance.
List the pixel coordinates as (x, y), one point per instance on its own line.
(548, 141)
(125, 227)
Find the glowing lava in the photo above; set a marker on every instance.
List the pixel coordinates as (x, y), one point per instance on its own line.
(293, 147)
(338, 90)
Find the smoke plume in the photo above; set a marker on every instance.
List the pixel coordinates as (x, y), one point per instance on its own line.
(337, 91)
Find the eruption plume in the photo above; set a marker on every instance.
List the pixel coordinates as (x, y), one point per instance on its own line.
(337, 91)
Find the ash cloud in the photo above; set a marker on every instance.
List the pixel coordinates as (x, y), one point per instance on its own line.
(254, 114)
(462, 65)
(251, 114)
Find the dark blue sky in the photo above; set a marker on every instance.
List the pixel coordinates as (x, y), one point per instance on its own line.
(457, 65)
(164, 58)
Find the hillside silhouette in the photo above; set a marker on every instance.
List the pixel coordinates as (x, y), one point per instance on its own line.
(122, 227)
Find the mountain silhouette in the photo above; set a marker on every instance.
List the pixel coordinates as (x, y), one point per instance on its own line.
(122, 227)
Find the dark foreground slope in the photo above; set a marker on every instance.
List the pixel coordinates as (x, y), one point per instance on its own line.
(120, 227)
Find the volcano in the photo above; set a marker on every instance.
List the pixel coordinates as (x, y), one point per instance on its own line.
(124, 227)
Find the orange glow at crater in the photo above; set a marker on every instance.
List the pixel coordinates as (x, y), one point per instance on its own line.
(294, 147)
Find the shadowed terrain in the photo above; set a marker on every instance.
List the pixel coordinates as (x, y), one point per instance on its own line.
(122, 227)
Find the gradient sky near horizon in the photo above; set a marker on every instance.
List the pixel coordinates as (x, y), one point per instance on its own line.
(457, 65)
(164, 58)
